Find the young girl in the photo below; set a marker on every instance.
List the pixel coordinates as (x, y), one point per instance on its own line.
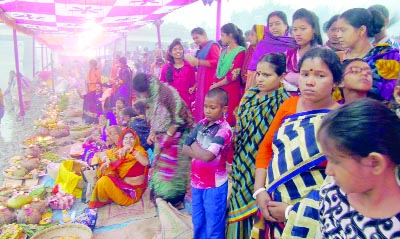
(290, 146)
(360, 141)
(307, 34)
(256, 112)
(229, 65)
(179, 73)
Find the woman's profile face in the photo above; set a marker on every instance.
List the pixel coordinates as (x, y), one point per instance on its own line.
(332, 33)
(253, 37)
(348, 35)
(351, 174)
(128, 141)
(199, 39)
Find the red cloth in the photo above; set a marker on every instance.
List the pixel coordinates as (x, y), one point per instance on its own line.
(234, 88)
(205, 78)
(183, 79)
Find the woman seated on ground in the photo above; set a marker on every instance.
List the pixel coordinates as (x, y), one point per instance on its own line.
(122, 174)
(356, 80)
(361, 141)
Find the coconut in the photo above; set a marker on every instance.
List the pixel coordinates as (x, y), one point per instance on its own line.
(30, 163)
(20, 172)
(40, 205)
(28, 215)
(34, 150)
(7, 215)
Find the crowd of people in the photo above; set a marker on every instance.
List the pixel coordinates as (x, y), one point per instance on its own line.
(306, 132)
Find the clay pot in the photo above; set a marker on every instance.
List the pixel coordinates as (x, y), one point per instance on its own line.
(40, 205)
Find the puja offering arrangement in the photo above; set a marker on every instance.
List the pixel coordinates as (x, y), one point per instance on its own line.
(12, 231)
(43, 143)
(25, 167)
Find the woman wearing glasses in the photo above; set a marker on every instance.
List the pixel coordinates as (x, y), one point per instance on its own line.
(355, 26)
(356, 80)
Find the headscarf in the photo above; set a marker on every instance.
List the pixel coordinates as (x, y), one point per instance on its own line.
(271, 44)
(126, 163)
(260, 32)
(136, 146)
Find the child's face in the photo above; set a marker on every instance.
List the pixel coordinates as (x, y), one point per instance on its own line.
(119, 104)
(213, 110)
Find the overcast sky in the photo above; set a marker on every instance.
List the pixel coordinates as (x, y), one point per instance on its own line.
(197, 14)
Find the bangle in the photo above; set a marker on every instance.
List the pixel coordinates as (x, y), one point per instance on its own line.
(169, 134)
(287, 211)
(258, 191)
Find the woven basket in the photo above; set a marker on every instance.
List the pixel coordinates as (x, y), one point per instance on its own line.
(77, 230)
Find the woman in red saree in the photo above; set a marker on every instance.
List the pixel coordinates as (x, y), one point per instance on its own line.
(229, 66)
(122, 174)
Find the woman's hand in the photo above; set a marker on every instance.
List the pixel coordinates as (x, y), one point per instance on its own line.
(193, 61)
(105, 165)
(192, 89)
(263, 199)
(277, 210)
(214, 85)
(122, 152)
(152, 137)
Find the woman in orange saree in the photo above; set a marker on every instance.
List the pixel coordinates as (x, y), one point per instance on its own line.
(122, 174)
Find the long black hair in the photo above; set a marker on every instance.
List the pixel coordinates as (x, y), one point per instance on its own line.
(311, 19)
(373, 20)
(236, 33)
(363, 127)
(277, 60)
(170, 70)
(329, 57)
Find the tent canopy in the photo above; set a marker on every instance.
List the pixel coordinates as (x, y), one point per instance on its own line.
(57, 22)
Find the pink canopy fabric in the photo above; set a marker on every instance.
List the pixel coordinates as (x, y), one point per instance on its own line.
(42, 18)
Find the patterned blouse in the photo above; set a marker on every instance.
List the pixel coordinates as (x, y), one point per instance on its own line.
(338, 219)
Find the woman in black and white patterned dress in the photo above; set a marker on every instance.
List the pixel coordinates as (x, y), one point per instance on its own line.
(361, 141)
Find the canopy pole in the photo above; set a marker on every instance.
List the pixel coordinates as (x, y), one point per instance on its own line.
(218, 30)
(158, 23)
(21, 101)
(47, 58)
(52, 72)
(125, 44)
(41, 56)
(33, 57)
